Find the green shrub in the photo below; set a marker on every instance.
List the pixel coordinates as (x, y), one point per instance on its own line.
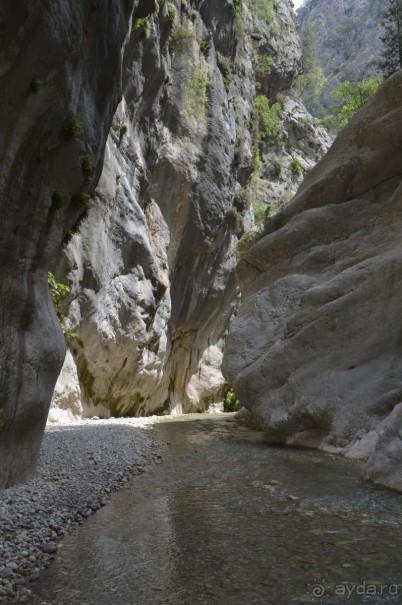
(225, 67)
(265, 63)
(72, 128)
(262, 9)
(87, 166)
(246, 242)
(173, 16)
(297, 168)
(196, 91)
(260, 211)
(349, 98)
(255, 165)
(58, 291)
(276, 168)
(230, 401)
(82, 199)
(205, 45)
(143, 25)
(35, 85)
(242, 200)
(59, 197)
(239, 20)
(180, 37)
(266, 116)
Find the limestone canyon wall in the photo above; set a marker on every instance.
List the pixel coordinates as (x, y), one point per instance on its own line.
(315, 351)
(127, 134)
(55, 108)
(152, 266)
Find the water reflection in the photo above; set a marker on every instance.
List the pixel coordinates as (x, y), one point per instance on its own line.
(228, 520)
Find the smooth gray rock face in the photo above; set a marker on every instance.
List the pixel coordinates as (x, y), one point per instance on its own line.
(315, 350)
(49, 72)
(152, 268)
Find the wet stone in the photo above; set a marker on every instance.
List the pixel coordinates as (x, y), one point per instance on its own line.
(174, 535)
(49, 548)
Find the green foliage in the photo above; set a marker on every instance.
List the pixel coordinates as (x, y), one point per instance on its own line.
(181, 36)
(230, 401)
(276, 168)
(59, 198)
(58, 291)
(297, 168)
(311, 82)
(87, 166)
(2, 419)
(173, 16)
(246, 242)
(349, 98)
(143, 25)
(260, 213)
(225, 66)
(239, 20)
(139, 23)
(255, 165)
(265, 63)
(35, 85)
(72, 128)
(82, 199)
(262, 9)
(196, 91)
(123, 129)
(205, 45)
(392, 37)
(268, 117)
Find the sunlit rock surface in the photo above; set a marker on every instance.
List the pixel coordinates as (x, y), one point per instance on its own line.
(315, 350)
(152, 267)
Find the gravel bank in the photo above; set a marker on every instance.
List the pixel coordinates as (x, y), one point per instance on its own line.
(80, 465)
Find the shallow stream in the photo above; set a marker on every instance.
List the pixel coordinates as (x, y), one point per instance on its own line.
(228, 520)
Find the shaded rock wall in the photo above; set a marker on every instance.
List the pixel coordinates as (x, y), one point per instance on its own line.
(155, 100)
(152, 267)
(315, 350)
(50, 58)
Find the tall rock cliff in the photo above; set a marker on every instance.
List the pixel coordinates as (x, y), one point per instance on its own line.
(60, 81)
(315, 351)
(152, 267)
(347, 37)
(130, 135)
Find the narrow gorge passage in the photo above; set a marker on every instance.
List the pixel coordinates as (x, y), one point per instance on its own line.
(226, 519)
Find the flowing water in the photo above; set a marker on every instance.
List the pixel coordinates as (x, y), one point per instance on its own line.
(229, 520)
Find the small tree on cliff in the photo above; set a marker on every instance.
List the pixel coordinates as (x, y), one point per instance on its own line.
(349, 97)
(310, 83)
(392, 38)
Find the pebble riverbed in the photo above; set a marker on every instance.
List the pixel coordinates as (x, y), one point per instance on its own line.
(80, 465)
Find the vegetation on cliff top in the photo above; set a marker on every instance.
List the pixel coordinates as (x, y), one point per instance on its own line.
(346, 50)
